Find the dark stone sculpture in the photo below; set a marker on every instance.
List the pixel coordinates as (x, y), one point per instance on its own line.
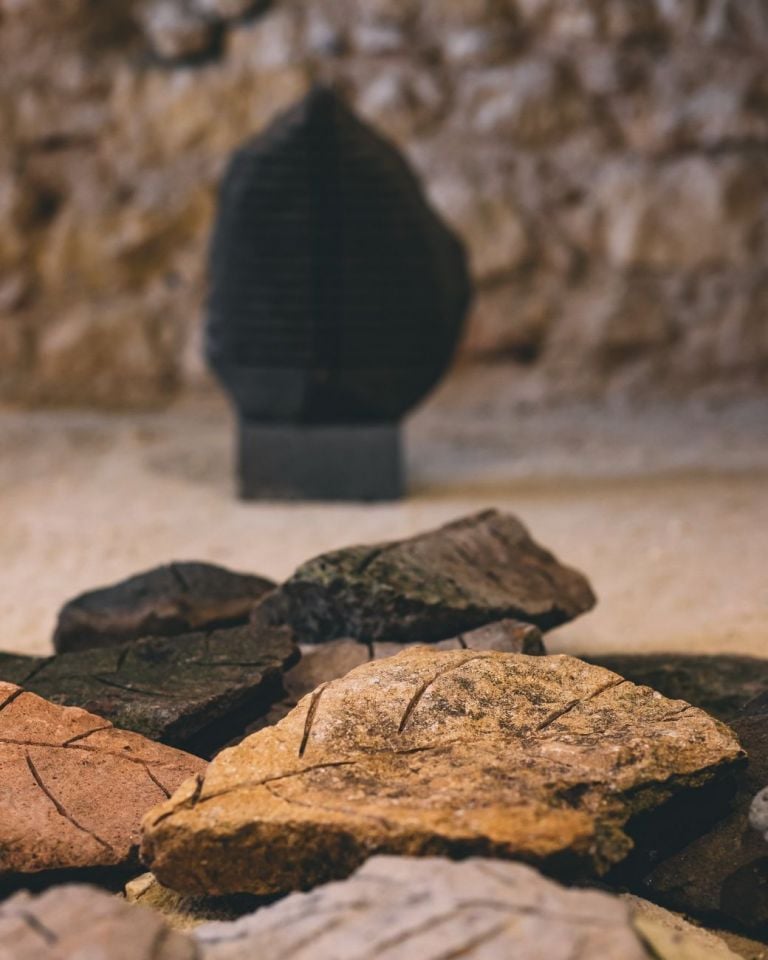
(337, 297)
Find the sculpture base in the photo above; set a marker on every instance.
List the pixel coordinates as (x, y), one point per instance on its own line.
(288, 462)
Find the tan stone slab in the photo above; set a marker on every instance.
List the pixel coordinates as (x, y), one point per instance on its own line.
(76, 922)
(73, 788)
(398, 908)
(536, 758)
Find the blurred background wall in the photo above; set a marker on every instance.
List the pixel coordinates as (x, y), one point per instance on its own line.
(606, 162)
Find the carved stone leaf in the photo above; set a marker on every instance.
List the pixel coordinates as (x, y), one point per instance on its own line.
(73, 788)
(543, 759)
(82, 922)
(195, 691)
(472, 572)
(164, 601)
(397, 908)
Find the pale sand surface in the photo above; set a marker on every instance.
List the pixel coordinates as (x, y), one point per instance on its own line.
(665, 510)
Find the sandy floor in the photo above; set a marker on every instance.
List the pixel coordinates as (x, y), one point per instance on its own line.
(666, 511)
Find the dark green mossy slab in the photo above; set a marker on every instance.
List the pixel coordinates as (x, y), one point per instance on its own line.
(474, 571)
(195, 691)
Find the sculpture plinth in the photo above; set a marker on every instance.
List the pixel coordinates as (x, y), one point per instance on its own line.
(337, 297)
(331, 462)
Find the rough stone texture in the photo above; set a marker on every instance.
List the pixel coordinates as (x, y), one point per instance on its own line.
(605, 160)
(163, 601)
(433, 586)
(720, 684)
(194, 691)
(328, 661)
(542, 759)
(722, 877)
(84, 923)
(74, 788)
(183, 913)
(432, 908)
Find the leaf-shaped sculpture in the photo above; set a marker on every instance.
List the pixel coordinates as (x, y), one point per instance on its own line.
(73, 788)
(337, 296)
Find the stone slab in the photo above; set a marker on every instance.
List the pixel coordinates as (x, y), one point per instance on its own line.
(542, 759)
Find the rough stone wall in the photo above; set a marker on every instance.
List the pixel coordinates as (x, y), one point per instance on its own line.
(605, 160)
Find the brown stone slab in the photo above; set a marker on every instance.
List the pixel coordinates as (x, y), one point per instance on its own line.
(73, 788)
(543, 759)
(165, 601)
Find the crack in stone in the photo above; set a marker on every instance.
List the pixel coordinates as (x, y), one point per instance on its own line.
(572, 704)
(179, 577)
(158, 943)
(11, 697)
(157, 783)
(252, 784)
(60, 808)
(372, 557)
(225, 663)
(321, 806)
(74, 746)
(122, 657)
(475, 942)
(187, 804)
(310, 719)
(36, 926)
(35, 670)
(162, 694)
(414, 701)
(88, 733)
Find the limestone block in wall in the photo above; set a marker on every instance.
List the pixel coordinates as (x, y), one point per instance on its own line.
(163, 118)
(609, 318)
(683, 214)
(12, 214)
(229, 9)
(532, 103)
(103, 354)
(491, 43)
(691, 101)
(401, 100)
(271, 42)
(177, 29)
